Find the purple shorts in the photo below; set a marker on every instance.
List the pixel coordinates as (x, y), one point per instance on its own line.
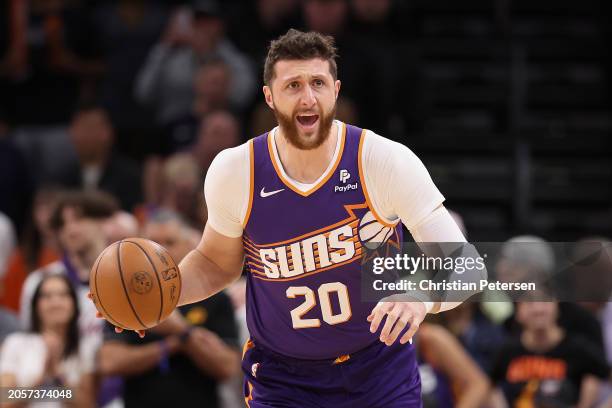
(375, 377)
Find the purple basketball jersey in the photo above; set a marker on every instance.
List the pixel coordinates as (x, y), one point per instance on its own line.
(303, 253)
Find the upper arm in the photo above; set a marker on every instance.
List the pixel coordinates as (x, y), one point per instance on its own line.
(398, 183)
(227, 190)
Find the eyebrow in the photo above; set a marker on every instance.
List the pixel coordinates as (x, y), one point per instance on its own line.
(317, 75)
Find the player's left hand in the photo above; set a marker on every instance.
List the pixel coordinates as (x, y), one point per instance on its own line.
(400, 310)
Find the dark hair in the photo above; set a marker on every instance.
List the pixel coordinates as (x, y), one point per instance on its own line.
(32, 239)
(89, 204)
(72, 334)
(298, 45)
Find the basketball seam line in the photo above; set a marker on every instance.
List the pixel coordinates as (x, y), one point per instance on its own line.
(161, 292)
(387, 236)
(124, 287)
(373, 235)
(113, 320)
(365, 224)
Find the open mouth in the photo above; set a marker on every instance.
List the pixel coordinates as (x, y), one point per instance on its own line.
(307, 120)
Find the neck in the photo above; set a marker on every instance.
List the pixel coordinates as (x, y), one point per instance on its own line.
(306, 166)
(542, 339)
(57, 329)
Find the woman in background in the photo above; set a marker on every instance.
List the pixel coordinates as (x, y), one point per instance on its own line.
(51, 355)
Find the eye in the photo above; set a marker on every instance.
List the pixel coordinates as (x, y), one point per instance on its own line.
(318, 83)
(293, 85)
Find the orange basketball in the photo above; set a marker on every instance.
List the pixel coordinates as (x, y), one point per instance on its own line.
(135, 283)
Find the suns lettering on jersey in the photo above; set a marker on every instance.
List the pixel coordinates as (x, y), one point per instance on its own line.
(319, 251)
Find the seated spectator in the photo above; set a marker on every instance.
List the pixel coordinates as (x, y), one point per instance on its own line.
(547, 366)
(532, 259)
(480, 337)
(211, 85)
(218, 131)
(449, 377)
(182, 189)
(38, 248)
(181, 361)
(121, 225)
(78, 222)
(170, 230)
(52, 353)
(192, 38)
(99, 167)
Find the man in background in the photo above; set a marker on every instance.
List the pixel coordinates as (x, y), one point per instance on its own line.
(178, 363)
(92, 135)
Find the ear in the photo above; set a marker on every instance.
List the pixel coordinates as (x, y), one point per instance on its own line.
(337, 86)
(268, 96)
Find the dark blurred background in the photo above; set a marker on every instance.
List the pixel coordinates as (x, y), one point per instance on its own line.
(507, 102)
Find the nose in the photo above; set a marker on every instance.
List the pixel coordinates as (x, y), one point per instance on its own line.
(308, 99)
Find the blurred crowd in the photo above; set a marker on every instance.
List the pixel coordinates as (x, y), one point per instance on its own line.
(111, 113)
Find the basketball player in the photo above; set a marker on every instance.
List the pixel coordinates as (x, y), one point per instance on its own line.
(289, 203)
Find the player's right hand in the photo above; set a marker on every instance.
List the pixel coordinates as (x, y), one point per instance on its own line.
(141, 333)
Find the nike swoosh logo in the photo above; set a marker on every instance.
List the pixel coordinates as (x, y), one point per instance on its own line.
(264, 194)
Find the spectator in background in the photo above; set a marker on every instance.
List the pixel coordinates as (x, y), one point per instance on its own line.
(52, 353)
(191, 38)
(53, 61)
(176, 364)
(211, 85)
(182, 189)
(480, 337)
(78, 222)
(218, 131)
(170, 230)
(449, 377)
(547, 366)
(99, 167)
(121, 225)
(39, 247)
(531, 259)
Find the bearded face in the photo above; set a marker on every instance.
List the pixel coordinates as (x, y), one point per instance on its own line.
(303, 96)
(306, 130)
